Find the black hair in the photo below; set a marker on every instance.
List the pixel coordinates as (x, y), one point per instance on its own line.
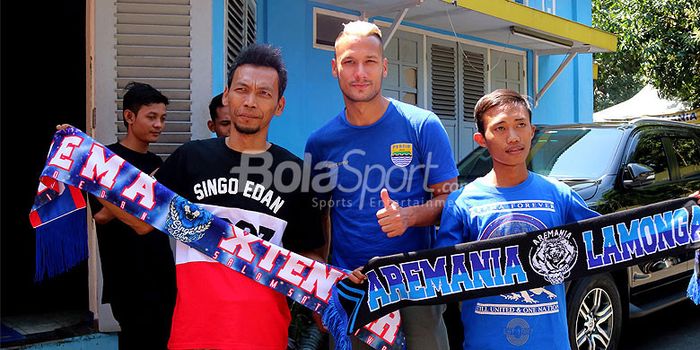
(216, 102)
(499, 97)
(262, 55)
(141, 94)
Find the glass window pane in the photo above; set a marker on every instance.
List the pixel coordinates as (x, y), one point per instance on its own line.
(409, 51)
(499, 69)
(390, 94)
(410, 97)
(392, 51)
(328, 28)
(410, 77)
(512, 70)
(392, 76)
(650, 152)
(558, 153)
(688, 156)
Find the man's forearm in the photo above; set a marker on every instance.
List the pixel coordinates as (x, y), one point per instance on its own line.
(103, 216)
(140, 226)
(427, 213)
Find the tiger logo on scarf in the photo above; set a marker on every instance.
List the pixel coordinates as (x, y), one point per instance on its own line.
(554, 256)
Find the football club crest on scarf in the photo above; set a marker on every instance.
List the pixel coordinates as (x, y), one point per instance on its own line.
(401, 154)
(553, 255)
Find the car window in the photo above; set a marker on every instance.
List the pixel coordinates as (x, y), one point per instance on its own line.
(649, 151)
(570, 154)
(477, 164)
(567, 154)
(687, 152)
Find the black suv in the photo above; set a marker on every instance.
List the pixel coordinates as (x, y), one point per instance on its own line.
(615, 166)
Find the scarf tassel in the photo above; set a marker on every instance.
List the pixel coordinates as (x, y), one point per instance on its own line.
(61, 244)
(335, 319)
(694, 286)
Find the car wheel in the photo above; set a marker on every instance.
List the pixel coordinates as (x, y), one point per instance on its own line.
(594, 313)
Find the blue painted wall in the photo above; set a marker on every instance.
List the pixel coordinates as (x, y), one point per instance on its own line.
(313, 96)
(570, 98)
(218, 63)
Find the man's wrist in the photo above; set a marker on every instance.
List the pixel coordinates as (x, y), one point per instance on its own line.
(408, 214)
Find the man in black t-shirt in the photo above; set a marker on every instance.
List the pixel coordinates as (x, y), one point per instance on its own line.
(256, 186)
(138, 270)
(240, 178)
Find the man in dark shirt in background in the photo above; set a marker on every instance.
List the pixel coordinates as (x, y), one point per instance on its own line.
(138, 270)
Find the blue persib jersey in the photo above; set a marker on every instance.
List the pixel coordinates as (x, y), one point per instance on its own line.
(530, 319)
(405, 151)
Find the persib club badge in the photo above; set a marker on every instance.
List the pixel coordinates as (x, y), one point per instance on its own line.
(553, 255)
(401, 154)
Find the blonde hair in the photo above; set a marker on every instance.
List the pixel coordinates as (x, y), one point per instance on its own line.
(361, 29)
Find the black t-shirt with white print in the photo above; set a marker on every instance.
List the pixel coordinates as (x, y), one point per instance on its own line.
(247, 315)
(265, 187)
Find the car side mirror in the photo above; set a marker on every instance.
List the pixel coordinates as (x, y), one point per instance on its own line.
(637, 175)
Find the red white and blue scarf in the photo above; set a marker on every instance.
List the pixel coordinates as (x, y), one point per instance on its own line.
(77, 162)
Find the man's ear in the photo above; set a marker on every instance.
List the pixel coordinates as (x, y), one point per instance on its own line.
(129, 116)
(210, 125)
(480, 139)
(334, 68)
(280, 106)
(224, 97)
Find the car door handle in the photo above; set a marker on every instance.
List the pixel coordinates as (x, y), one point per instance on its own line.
(638, 276)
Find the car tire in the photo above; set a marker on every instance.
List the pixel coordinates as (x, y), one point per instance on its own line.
(594, 313)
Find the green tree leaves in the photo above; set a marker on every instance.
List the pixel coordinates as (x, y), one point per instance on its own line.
(658, 43)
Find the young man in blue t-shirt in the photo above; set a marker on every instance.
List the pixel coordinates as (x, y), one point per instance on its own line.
(508, 200)
(394, 168)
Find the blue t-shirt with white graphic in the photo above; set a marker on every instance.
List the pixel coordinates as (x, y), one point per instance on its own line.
(531, 319)
(405, 151)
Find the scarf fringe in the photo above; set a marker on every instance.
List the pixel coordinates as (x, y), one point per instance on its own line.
(336, 322)
(694, 291)
(61, 245)
(694, 286)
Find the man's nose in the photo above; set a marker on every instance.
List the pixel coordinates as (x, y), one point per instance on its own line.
(360, 72)
(250, 100)
(513, 136)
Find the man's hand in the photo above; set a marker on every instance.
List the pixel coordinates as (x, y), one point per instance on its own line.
(393, 219)
(696, 195)
(103, 216)
(62, 126)
(356, 276)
